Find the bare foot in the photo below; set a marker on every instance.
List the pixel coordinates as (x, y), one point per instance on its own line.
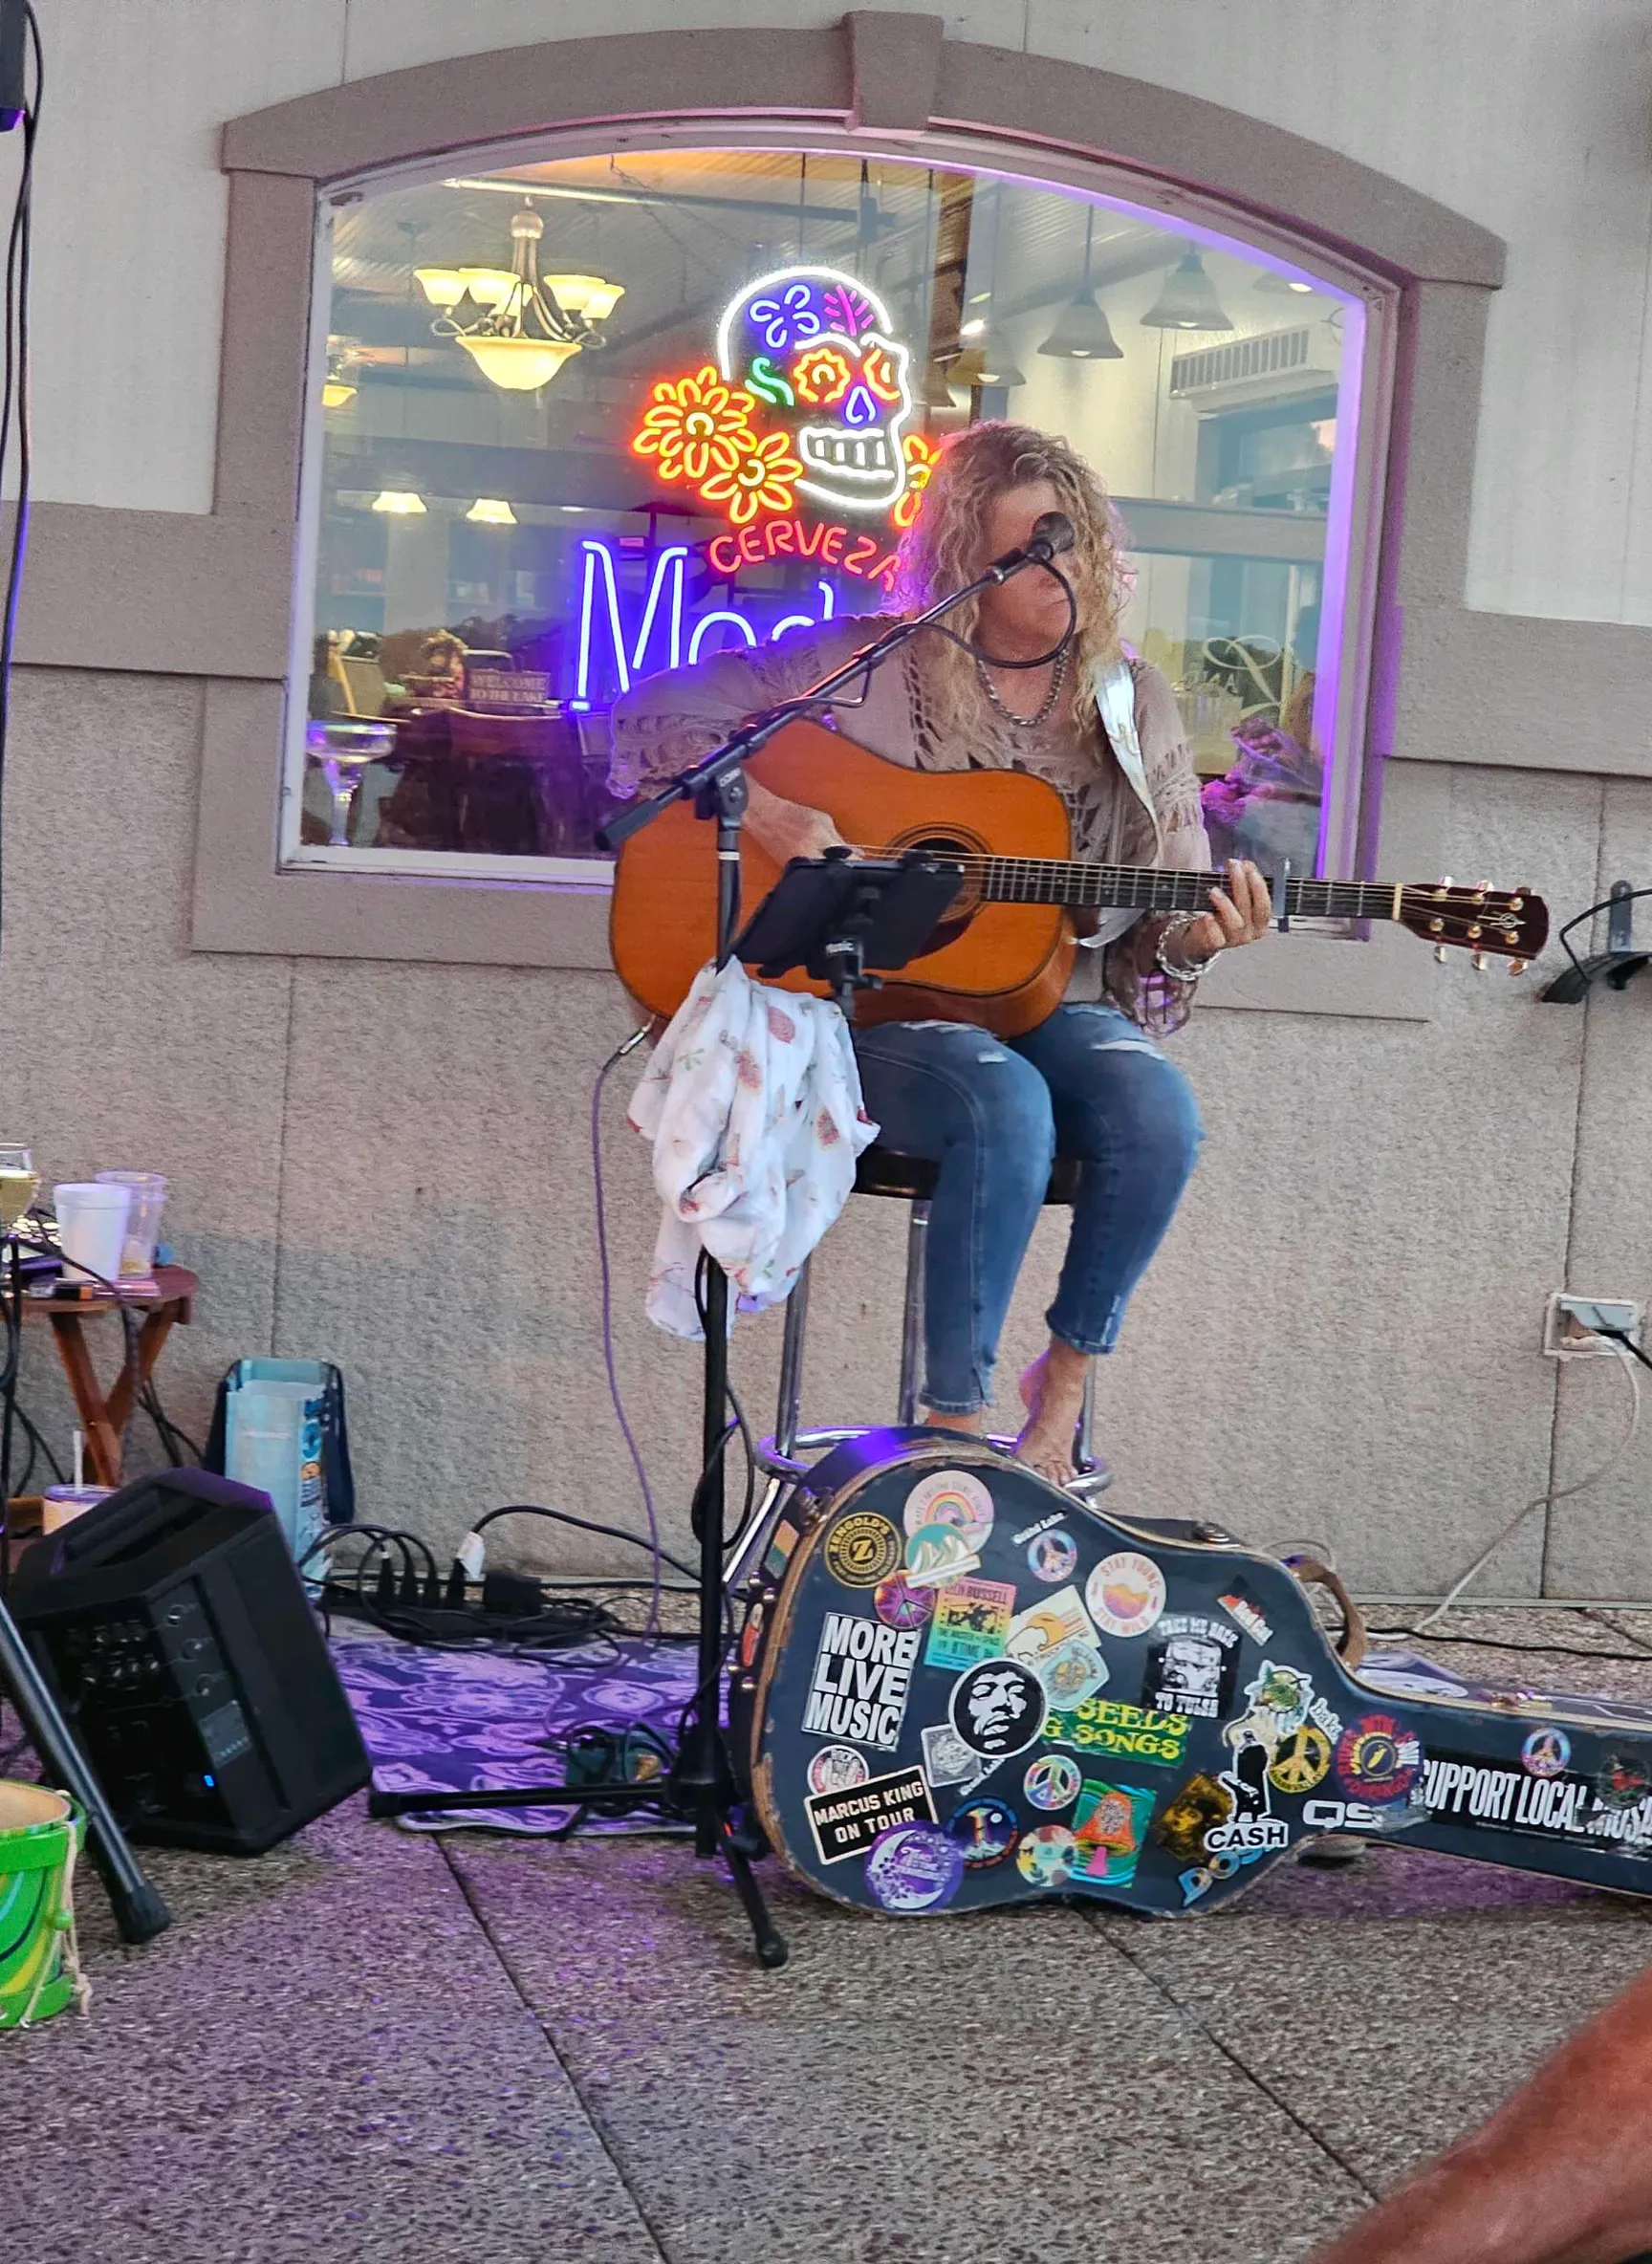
(974, 1424)
(1052, 1393)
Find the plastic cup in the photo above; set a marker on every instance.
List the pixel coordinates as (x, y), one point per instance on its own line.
(144, 1221)
(92, 1223)
(61, 1505)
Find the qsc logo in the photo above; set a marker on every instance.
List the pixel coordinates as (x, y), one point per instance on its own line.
(1341, 1815)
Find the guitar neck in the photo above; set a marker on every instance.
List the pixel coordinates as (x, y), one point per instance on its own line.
(1150, 888)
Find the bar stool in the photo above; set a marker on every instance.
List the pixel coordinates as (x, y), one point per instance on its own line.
(911, 1180)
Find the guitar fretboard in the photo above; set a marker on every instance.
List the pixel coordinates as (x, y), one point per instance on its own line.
(1151, 888)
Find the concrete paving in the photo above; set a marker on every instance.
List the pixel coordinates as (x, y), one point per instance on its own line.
(370, 2045)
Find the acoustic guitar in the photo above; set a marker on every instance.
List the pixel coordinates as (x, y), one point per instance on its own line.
(957, 1686)
(1005, 948)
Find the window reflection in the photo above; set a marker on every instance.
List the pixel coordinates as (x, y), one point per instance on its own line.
(596, 417)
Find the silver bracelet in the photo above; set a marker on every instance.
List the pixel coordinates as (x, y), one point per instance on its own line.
(1187, 975)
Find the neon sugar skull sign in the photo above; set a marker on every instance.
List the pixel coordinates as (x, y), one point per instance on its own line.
(808, 396)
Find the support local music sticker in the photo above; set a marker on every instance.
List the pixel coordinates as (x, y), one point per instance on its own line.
(862, 1679)
(971, 1619)
(1125, 1593)
(846, 1821)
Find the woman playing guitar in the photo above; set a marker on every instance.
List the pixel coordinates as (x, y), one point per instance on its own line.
(1091, 1080)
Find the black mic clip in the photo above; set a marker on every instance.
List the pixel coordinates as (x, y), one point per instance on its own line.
(1051, 535)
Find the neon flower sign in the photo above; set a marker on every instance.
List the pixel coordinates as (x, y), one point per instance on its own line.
(808, 396)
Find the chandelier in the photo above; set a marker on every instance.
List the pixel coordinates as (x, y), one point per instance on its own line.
(519, 326)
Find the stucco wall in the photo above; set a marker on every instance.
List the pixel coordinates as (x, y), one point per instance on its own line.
(386, 1165)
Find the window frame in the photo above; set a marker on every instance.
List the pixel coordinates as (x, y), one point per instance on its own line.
(1352, 572)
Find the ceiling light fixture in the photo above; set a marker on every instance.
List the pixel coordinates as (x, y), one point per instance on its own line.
(1188, 300)
(400, 503)
(1278, 286)
(521, 338)
(1082, 331)
(491, 511)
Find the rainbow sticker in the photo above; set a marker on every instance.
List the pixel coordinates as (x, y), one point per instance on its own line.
(951, 1497)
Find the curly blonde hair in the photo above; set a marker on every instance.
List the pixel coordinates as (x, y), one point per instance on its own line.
(944, 549)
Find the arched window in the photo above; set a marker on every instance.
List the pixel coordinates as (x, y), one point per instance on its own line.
(581, 416)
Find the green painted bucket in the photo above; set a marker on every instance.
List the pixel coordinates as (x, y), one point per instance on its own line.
(40, 1834)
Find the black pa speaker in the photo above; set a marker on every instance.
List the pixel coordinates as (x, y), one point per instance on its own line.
(173, 1622)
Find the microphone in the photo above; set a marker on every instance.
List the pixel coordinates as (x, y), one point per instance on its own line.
(1051, 535)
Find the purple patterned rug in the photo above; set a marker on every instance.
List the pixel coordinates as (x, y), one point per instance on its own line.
(459, 1720)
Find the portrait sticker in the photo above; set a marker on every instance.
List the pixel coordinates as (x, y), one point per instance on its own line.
(998, 1708)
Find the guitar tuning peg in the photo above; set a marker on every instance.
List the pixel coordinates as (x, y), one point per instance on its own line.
(1481, 962)
(1441, 953)
(1517, 966)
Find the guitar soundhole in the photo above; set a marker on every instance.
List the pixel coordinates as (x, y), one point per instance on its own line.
(949, 848)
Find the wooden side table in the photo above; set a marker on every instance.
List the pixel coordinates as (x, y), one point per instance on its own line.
(104, 1417)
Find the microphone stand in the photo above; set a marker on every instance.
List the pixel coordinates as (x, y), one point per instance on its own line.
(702, 1787)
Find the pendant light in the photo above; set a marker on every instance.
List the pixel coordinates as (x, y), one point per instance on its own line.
(1278, 286)
(1082, 331)
(988, 360)
(1188, 300)
(491, 511)
(520, 338)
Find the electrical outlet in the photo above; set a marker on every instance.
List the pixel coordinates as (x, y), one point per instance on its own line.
(1570, 1325)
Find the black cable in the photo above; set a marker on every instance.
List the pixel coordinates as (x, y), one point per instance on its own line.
(15, 381)
(1629, 897)
(1493, 1643)
(1623, 1338)
(616, 1533)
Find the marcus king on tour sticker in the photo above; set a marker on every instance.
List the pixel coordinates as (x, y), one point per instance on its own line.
(862, 1549)
(862, 1679)
(846, 1823)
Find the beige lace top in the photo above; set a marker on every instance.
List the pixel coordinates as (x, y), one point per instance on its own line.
(666, 722)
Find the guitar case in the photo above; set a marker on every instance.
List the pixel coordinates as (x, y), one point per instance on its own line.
(957, 1686)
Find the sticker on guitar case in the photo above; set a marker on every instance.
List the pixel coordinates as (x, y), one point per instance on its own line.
(1052, 1555)
(836, 1768)
(1048, 1854)
(1190, 1813)
(998, 1708)
(1378, 1758)
(937, 1554)
(1125, 1593)
(1191, 1667)
(1043, 1626)
(862, 1549)
(862, 1679)
(985, 1831)
(897, 1603)
(1121, 1732)
(1109, 1824)
(951, 1497)
(948, 1759)
(1547, 1752)
(1051, 1781)
(848, 1822)
(971, 1619)
(912, 1867)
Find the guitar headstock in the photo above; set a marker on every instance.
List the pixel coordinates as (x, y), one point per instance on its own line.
(1491, 922)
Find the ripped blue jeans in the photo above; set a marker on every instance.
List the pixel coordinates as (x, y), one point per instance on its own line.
(992, 1113)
